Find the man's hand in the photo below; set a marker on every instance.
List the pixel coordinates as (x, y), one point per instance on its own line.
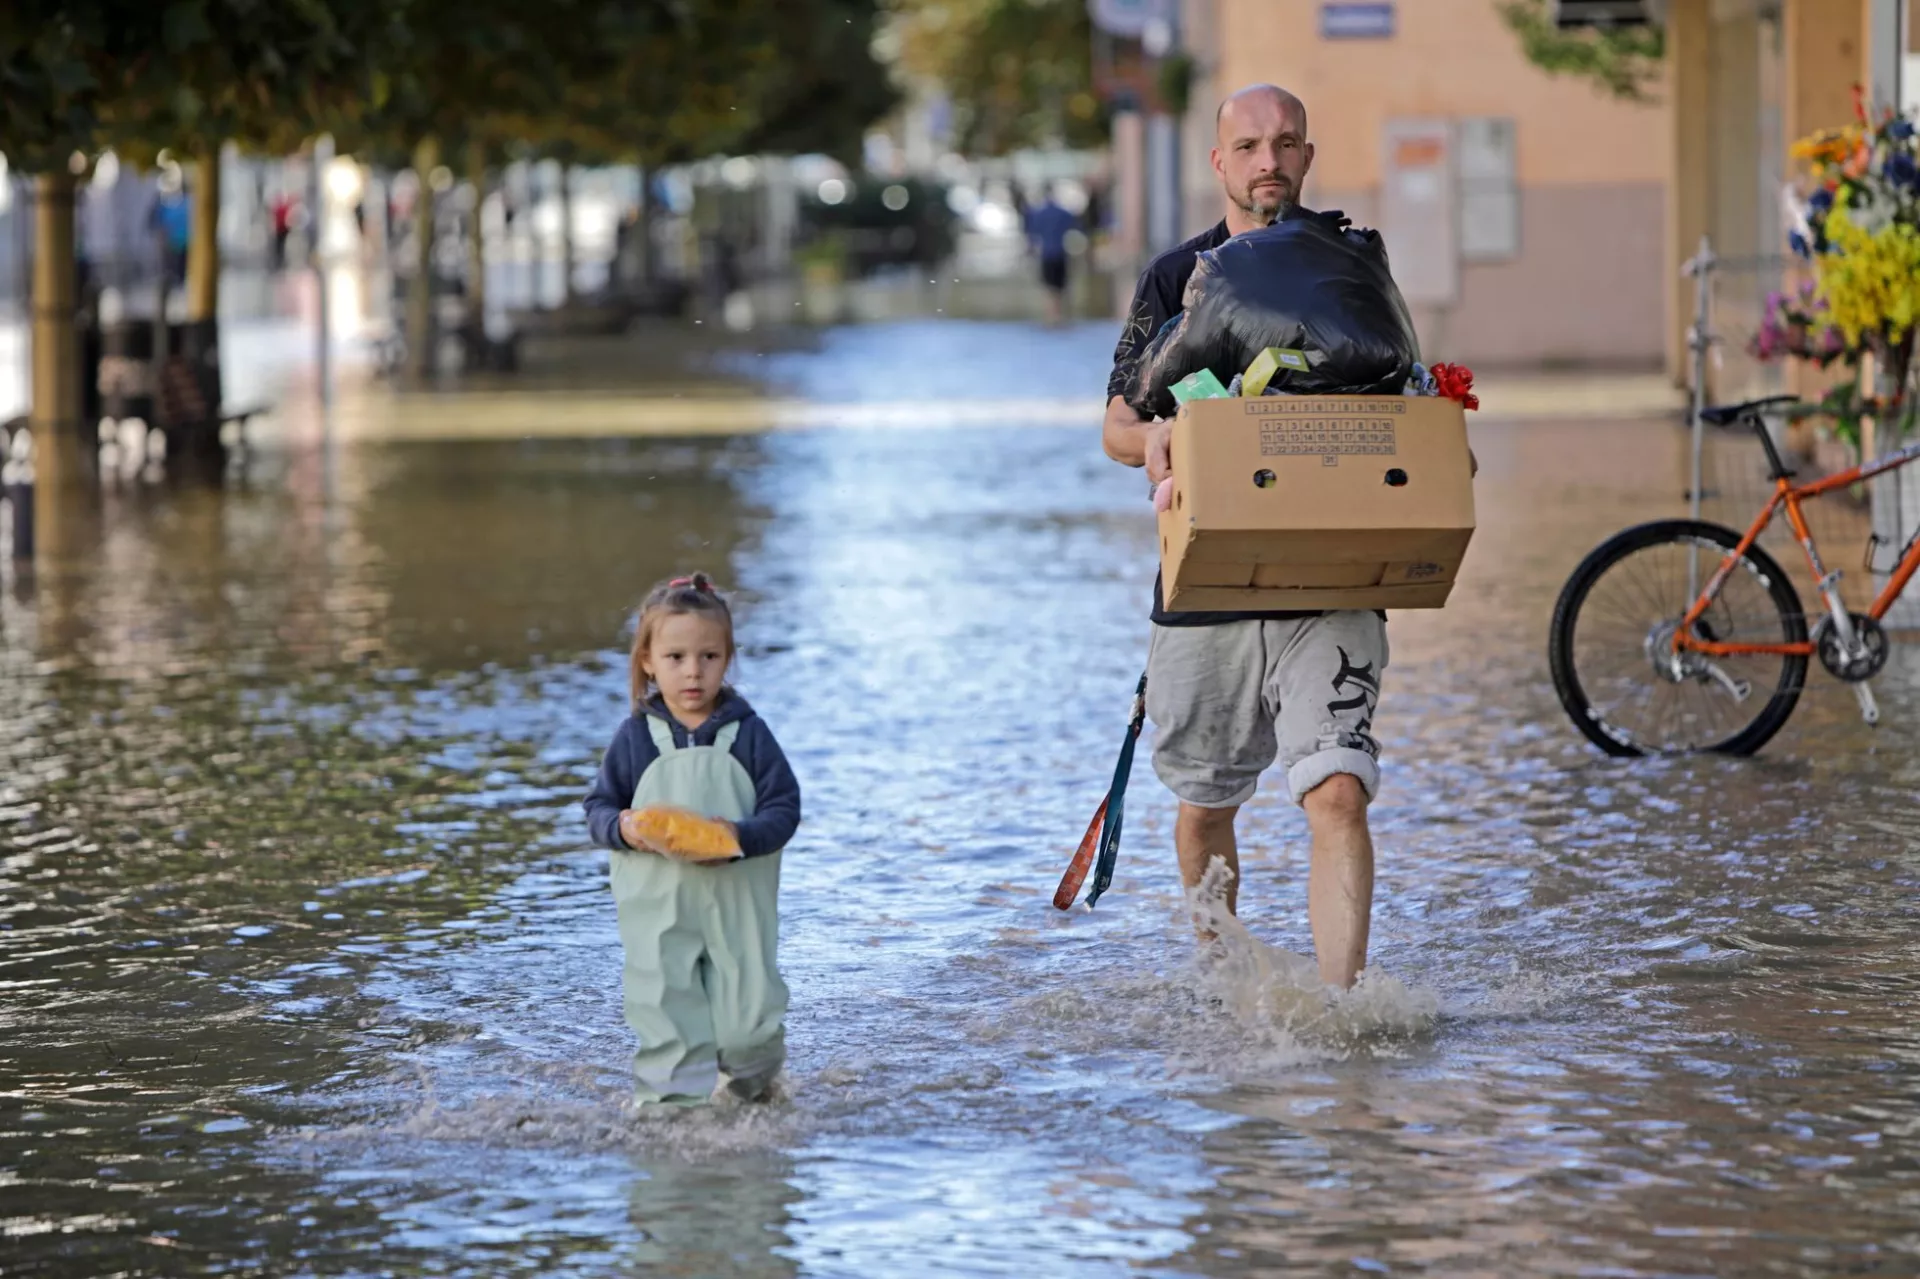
(1159, 450)
(1137, 441)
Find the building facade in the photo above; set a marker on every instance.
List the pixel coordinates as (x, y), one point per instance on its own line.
(1747, 78)
(1525, 213)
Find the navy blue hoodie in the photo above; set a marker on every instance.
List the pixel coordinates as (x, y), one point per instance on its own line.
(776, 795)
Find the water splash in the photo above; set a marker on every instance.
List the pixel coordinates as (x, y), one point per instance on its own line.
(1276, 997)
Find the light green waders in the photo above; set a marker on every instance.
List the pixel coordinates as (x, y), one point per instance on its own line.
(702, 991)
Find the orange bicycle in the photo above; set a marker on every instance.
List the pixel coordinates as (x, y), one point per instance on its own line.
(1648, 660)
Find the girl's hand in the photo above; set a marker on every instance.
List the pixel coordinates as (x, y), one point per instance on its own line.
(681, 834)
(633, 836)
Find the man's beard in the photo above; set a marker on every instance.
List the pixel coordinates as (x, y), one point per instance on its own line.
(1276, 198)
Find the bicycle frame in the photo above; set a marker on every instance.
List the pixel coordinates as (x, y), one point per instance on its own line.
(1787, 495)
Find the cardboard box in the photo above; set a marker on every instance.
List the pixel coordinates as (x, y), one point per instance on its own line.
(1316, 502)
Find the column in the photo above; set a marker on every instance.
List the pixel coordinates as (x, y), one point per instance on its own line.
(1690, 187)
(1885, 51)
(1129, 205)
(1896, 498)
(1824, 60)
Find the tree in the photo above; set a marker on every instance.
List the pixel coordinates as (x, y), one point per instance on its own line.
(826, 89)
(464, 81)
(263, 75)
(1019, 72)
(583, 82)
(1623, 61)
(186, 75)
(52, 94)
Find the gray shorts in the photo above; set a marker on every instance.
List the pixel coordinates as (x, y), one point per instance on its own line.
(1226, 700)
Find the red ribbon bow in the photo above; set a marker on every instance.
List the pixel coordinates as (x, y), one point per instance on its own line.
(1456, 383)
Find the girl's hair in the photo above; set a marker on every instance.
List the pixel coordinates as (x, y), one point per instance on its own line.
(691, 594)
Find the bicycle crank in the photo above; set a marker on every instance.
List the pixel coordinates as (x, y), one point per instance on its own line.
(1853, 663)
(1869, 709)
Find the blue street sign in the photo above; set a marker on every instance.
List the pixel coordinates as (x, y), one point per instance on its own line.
(1356, 21)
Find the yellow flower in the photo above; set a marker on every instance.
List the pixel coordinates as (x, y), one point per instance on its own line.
(1870, 281)
(1828, 147)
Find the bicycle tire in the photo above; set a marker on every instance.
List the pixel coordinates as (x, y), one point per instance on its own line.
(1574, 596)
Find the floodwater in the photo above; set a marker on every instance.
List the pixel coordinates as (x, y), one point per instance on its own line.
(307, 968)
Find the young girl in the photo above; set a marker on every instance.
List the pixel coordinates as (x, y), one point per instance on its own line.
(703, 992)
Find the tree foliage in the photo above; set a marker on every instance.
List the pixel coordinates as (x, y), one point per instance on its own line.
(186, 74)
(671, 84)
(54, 81)
(1623, 61)
(596, 79)
(1019, 72)
(826, 87)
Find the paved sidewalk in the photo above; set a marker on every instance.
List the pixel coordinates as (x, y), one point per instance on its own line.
(378, 412)
(671, 379)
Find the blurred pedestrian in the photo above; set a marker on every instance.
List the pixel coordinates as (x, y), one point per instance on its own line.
(1048, 227)
(723, 269)
(699, 923)
(282, 228)
(623, 238)
(173, 222)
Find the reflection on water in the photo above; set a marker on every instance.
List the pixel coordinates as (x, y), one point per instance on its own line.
(306, 969)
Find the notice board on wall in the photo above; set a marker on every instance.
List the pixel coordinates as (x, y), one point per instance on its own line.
(1487, 171)
(1419, 209)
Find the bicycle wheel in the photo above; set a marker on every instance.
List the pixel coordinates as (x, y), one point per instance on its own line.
(1611, 644)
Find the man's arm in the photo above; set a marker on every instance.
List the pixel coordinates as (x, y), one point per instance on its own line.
(1133, 440)
(1128, 437)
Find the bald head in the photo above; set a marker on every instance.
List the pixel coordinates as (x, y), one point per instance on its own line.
(1258, 103)
(1261, 154)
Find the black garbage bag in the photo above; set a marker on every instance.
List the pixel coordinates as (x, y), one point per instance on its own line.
(1310, 283)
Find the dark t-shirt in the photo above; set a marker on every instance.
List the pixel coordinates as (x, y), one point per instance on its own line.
(1156, 299)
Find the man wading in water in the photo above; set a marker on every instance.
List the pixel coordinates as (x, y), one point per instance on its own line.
(1228, 692)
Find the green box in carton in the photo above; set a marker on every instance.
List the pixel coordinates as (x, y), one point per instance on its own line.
(1199, 386)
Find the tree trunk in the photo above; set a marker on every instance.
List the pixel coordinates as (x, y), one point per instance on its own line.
(194, 393)
(203, 240)
(566, 234)
(62, 463)
(56, 346)
(420, 334)
(476, 243)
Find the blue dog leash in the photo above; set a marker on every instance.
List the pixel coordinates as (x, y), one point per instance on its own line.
(1100, 846)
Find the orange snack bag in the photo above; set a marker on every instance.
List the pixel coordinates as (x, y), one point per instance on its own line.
(686, 835)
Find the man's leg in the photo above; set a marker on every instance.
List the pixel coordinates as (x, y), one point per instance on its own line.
(1053, 278)
(1213, 736)
(1340, 882)
(1326, 680)
(1199, 836)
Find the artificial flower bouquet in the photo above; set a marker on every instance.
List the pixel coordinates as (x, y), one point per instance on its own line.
(1858, 227)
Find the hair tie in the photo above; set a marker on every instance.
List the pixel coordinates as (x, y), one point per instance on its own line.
(678, 583)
